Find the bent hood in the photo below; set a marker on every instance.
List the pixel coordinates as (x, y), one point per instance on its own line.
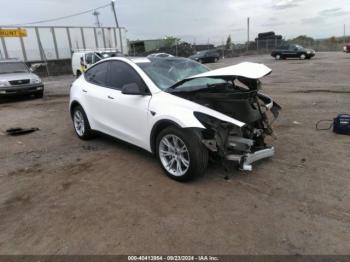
(246, 69)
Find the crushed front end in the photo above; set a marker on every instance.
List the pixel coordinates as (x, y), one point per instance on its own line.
(243, 145)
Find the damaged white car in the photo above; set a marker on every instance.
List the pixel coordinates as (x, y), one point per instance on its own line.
(177, 109)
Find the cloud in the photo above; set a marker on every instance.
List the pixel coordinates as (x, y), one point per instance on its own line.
(324, 15)
(272, 21)
(285, 4)
(313, 20)
(333, 12)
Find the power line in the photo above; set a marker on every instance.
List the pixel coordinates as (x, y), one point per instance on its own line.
(59, 18)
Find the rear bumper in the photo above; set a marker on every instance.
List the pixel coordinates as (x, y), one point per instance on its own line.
(246, 160)
(18, 90)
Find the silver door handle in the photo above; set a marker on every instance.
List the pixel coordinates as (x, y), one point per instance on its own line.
(110, 97)
(84, 91)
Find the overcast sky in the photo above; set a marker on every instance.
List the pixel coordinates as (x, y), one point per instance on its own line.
(194, 20)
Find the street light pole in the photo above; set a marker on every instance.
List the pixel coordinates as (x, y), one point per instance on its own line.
(117, 25)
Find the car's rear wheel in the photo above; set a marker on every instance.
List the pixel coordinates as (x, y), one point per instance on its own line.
(278, 57)
(181, 153)
(200, 61)
(81, 123)
(302, 56)
(216, 59)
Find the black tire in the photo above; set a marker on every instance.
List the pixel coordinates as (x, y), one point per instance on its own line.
(278, 57)
(39, 94)
(198, 154)
(216, 60)
(200, 61)
(302, 56)
(87, 133)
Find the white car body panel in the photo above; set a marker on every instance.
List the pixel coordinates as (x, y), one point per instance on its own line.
(245, 69)
(128, 117)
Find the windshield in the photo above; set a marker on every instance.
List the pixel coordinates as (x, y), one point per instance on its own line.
(167, 72)
(13, 67)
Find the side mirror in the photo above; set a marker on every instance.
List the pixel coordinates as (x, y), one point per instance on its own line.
(132, 89)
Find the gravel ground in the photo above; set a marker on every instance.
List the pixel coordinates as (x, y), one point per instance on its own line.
(60, 195)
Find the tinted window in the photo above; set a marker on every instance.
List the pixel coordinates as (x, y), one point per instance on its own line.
(292, 47)
(88, 58)
(97, 74)
(121, 74)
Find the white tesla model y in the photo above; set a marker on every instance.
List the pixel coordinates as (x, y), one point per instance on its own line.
(177, 109)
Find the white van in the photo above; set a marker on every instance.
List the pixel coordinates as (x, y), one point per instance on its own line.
(88, 58)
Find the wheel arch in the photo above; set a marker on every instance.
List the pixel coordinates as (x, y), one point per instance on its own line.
(157, 128)
(72, 106)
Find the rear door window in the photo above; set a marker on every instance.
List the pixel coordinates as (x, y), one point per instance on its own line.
(97, 74)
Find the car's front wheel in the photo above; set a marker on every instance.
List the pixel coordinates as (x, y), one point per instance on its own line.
(181, 153)
(81, 123)
(278, 57)
(302, 56)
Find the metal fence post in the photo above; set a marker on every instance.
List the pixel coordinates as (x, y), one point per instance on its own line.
(55, 42)
(23, 49)
(115, 38)
(120, 40)
(95, 34)
(4, 47)
(39, 44)
(104, 39)
(69, 39)
(82, 37)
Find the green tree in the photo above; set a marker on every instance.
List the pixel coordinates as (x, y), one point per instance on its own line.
(171, 41)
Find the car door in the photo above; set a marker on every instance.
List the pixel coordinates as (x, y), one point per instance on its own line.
(292, 51)
(127, 114)
(95, 96)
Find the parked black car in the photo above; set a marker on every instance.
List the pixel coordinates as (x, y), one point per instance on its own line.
(206, 56)
(292, 51)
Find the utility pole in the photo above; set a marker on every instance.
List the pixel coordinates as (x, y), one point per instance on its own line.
(117, 25)
(248, 33)
(96, 14)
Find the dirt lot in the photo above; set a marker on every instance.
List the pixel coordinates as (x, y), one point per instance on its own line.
(60, 195)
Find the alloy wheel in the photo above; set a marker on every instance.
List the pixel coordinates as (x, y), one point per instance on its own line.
(79, 123)
(174, 155)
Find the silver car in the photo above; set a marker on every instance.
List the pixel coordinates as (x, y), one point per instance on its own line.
(16, 78)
